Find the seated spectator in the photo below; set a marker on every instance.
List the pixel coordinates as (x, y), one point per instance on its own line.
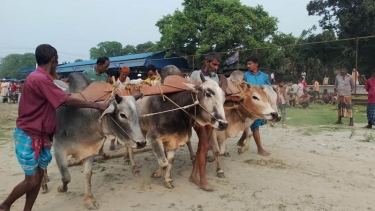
(304, 101)
(327, 98)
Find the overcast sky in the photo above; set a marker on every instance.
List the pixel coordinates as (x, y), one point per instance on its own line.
(74, 26)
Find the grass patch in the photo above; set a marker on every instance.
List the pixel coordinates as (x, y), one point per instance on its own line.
(369, 137)
(318, 114)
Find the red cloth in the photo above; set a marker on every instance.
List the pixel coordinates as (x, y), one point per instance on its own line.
(38, 144)
(304, 84)
(370, 88)
(13, 87)
(37, 109)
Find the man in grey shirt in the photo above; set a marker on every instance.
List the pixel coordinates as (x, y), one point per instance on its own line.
(344, 84)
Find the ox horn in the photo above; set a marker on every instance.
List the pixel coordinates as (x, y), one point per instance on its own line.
(202, 78)
(118, 98)
(137, 96)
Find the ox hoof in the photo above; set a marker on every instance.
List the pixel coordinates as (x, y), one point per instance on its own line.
(61, 189)
(220, 174)
(169, 184)
(240, 151)
(210, 159)
(126, 161)
(226, 154)
(91, 204)
(156, 175)
(44, 189)
(136, 172)
(192, 158)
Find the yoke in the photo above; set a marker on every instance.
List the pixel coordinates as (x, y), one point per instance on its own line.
(102, 91)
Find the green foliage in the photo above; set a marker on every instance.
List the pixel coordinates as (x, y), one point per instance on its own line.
(113, 48)
(13, 63)
(78, 60)
(146, 47)
(107, 48)
(369, 137)
(215, 25)
(349, 19)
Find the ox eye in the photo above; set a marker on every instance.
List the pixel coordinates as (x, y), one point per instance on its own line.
(208, 94)
(123, 116)
(255, 98)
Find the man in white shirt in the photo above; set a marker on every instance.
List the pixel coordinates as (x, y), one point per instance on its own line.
(272, 78)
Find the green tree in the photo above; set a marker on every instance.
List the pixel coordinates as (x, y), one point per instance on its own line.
(13, 63)
(129, 49)
(146, 47)
(215, 25)
(349, 19)
(108, 48)
(78, 60)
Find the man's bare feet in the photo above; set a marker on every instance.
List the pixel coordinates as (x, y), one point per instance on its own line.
(263, 152)
(4, 208)
(204, 186)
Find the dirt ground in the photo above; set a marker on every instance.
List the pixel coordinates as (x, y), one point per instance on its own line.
(314, 168)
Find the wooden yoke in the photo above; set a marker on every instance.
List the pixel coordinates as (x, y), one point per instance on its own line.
(101, 91)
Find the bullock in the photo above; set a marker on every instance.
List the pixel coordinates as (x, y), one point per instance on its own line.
(169, 119)
(241, 110)
(82, 135)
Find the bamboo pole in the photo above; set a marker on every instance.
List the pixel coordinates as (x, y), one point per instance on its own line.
(356, 67)
(111, 156)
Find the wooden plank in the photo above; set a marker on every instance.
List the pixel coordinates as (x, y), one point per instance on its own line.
(111, 155)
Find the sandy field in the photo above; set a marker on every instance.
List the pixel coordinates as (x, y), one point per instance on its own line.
(310, 168)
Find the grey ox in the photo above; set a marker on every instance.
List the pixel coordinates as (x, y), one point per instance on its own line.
(82, 135)
(167, 131)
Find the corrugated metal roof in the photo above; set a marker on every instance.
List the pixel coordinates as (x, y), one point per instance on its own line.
(111, 59)
(27, 70)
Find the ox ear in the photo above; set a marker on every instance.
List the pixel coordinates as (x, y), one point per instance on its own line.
(109, 110)
(202, 78)
(191, 87)
(137, 96)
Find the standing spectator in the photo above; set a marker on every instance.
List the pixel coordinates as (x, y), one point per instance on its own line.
(370, 88)
(299, 90)
(316, 89)
(13, 89)
(272, 78)
(344, 83)
(281, 100)
(4, 90)
(355, 76)
(292, 95)
(303, 75)
(256, 77)
(304, 84)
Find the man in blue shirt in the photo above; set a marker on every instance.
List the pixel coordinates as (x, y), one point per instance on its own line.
(256, 77)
